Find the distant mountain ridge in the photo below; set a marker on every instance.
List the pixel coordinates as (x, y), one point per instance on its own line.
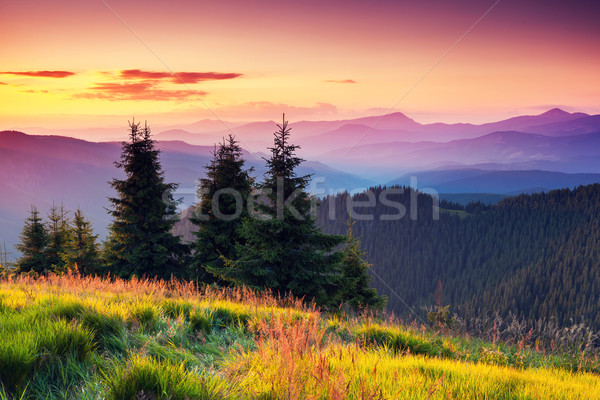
(498, 182)
(42, 169)
(257, 134)
(521, 154)
(569, 154)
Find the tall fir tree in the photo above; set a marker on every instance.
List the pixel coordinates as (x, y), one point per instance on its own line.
(140, 242)
(356, 290)
(82, 249)
(284, 249)
(34, 240)
(59, 232)
(223, 206)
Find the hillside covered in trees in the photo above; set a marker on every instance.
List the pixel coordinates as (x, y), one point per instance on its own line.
(531, 256)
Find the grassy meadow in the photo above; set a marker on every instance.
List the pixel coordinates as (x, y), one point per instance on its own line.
(71, 337)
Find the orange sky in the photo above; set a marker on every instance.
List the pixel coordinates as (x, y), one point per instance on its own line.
(68, 64)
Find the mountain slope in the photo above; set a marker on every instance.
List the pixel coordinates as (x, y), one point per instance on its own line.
(42, 169)
(532, 256)
(58, 335)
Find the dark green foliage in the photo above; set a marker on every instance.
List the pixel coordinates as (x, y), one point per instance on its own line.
(223, 206)
(81, 250)
(34, 240)
(355, 287)
(532, 257)
(59, 235)
(140, 242)
(284, 249)
(57, 246)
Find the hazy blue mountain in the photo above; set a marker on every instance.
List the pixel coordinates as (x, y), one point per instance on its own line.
(495, 182)
(505, 150)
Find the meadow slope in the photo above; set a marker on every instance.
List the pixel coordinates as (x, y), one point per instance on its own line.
(90, 338)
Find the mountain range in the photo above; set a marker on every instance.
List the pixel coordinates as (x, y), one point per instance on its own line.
(523, 154)
(383, 147)
(41, 170)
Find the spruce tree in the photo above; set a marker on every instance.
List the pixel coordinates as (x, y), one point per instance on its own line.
(284, 249)
(59, 232)
(140, 242)
(82, 249)
(34, 240)
(356, 290)
(223, 206)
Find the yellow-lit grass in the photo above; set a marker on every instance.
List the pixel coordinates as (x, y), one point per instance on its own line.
(295, 360)
(115, 288)
(142, 301)
(108, 307)
(294, 356)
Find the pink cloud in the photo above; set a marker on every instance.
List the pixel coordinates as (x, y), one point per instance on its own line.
(177, 77)
(194, 77)
(145, 90)
(41, 74)
(341, 81)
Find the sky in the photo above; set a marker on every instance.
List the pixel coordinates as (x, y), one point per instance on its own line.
(94, 63)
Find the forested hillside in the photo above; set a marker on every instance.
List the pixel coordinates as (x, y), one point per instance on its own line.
(535, 256)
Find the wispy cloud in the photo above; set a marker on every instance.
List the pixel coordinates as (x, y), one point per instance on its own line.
(137, 84)
(34, 91)
(145, 90)
(3, 83)
(40, 74)
(341, 81)
(178, 77)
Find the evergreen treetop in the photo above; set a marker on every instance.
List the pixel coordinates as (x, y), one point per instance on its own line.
(140, 242)
(356, 288)
(59, 234)
(82, 249)
(223, 205)
(284, 249)
(34, 240)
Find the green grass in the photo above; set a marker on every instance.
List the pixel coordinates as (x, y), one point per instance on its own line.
(88, 338)
(400, 340)
(17, 357)
(143, 376)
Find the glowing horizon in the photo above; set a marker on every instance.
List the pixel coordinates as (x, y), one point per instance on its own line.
(68, 65)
